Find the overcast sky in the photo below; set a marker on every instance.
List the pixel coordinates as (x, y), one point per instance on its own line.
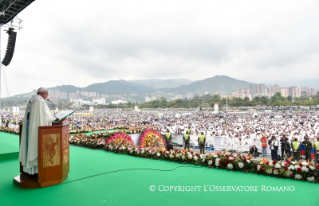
(83, 42)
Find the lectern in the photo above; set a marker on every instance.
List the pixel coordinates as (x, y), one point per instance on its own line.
(53, 158)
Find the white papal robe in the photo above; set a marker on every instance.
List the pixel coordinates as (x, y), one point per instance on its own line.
(39, 115)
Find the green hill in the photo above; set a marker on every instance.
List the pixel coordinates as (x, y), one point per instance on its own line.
(110, 87)
(213, 84)
(162, 83)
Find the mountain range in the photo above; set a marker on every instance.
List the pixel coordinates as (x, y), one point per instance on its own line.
(162, 83)
(175, 86)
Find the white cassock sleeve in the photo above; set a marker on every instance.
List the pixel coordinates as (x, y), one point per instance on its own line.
(40, 115)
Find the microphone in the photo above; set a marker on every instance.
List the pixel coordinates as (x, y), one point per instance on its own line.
(53, 107)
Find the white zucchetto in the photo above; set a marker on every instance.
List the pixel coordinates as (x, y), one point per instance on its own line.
(42, 89)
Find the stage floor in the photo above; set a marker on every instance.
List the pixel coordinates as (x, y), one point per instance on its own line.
(9, 146)
(98, 177)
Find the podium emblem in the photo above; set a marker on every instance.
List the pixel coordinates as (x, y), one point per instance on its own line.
(51, 152)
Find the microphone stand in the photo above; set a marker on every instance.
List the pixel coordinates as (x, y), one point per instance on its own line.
(53, 105)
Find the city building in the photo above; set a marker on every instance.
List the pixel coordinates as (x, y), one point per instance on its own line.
(257, 88)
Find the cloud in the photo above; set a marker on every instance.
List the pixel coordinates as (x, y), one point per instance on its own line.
(84, 42)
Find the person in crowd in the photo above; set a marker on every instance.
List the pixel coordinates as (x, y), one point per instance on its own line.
(201, 142)
(296, 149)
(273, 143)
(264, 145)
(286, 148)
(254, 151)
(186, 140)
(308, 148)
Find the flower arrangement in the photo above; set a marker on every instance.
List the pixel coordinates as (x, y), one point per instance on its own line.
(280, 169)
(119, 142)
(9, 130)
(152, 139)
(85, 141)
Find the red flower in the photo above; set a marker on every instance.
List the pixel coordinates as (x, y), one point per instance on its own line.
(262, 169)
(286, 169)
(310, 173)
(274, 162)
(291, 175)
(300, 164)
(298, 169)
(220, 161)
(267, 163)
(288, 162)
(317, 166)
(192, 152)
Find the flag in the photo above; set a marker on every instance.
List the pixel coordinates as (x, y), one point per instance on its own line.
(303, 148)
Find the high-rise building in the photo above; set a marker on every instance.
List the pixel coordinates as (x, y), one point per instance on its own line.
(284, 92)
(257, 88)
(274, 89)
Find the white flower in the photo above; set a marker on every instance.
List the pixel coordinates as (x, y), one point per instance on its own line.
(217, 162)
(248, 161)
(210, 162)
(291, 167)
(258, 167)
(312, 167)
(283, 164)
(171, 156)
(311, 179)
(298, 176)
(203, 160)
(158, 154)
(270, 163)
(304, 163)
(278, 166)
(288, 173)
(276, 172)
(183, 157)
(150, 152)
(195, 158)
(297, 166)
(230, 158)
(142, 152)
(136, 149)
(269, 171)
(305, 169)
(240, 164)
(230, 166)
(294, 162)
(190, 156)
(131, 151)
(215, 156)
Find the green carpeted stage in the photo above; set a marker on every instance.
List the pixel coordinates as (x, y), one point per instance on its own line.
(9, 146)
(131, 187)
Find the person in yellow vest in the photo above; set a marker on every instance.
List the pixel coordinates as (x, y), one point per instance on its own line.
(296, 149)
(186, 140)
(316, 148)
(201, 142)
(188, 130)
(168, 136)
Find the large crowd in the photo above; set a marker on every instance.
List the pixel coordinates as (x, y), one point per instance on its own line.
(238, 130)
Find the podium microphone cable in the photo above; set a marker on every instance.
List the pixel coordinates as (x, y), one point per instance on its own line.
(121, 170)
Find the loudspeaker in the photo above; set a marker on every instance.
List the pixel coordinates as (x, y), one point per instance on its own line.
(10, 47)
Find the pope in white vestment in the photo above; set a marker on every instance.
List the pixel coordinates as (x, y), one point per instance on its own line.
(37, 114)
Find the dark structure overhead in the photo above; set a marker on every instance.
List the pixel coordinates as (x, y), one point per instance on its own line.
(10, 8)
